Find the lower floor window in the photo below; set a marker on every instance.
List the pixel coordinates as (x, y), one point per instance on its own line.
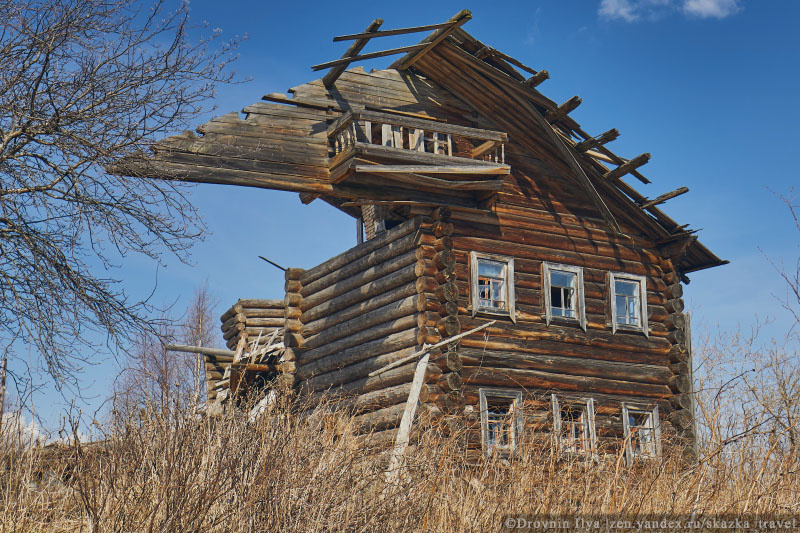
(501, 420)
(573, 424)
(642, 432)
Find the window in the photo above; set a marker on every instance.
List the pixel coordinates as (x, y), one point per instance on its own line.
(501, 420)
(573, 426)
(628, 295)
(563, 294)
(492, 284)
(642, 430)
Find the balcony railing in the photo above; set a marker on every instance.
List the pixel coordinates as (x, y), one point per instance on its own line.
(414, 135)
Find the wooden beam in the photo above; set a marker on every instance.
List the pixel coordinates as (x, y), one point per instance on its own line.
(664, 197)
(483, 149)
(355, 48)
(625, 168)
(307, 197)
(563, 110)
(427, 182)
(497, 53)
(537, 78)
(594, 142)
(499, 170)
(371, 55)
(386, 33)
(430, 43)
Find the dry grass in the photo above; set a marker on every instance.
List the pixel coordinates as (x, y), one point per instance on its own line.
(285, 472)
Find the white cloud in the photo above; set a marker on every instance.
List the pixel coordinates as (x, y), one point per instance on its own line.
(633, 10)
(711, 8)
(618, 9)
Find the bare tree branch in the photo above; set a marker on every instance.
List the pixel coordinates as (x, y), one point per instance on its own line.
(85, 85)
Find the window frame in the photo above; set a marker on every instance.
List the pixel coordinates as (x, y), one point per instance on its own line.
(644, 326)
(591, 430)
(510, 310)
(515, 396)
(579, 294)
(630, 455)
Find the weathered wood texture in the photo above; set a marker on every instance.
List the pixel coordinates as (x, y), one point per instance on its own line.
(364, 309)
(248, 320)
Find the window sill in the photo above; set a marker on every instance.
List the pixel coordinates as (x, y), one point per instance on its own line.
(494, 314)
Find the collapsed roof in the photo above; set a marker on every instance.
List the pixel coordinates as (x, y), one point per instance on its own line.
(450, 83)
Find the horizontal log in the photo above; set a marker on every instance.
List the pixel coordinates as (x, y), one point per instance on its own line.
(450, 381)
(449, 326)
(370, 401)
(445, 259)
(293, 299)
(678, 354)
(543, 253)
(681, 383)
(442, 229)
(681, 401)
(426, 285)
(452, 403)
(427, 335)
(677, 337)
(356, 281)
(392, 311)
(448, 308)
(674, 291)
(448, 361)
(388, 417)
(447, 292)
(387, 343)
(259, 303)
(564, 364)
(388, 252)
(367, 306)
(675, 321)
(360, 294)
(341, 260)
(549, 381)
(292, 285)
(354, 377)
(428, 318)
(251, 332)
(675, 305)
(526, 335)
(681, 419)
(443, 243)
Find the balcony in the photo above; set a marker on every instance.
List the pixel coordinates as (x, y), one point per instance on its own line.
(370, 147)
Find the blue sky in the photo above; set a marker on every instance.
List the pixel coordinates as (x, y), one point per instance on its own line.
(707, 87)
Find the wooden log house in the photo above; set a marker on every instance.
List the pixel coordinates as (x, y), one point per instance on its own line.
(478, 198)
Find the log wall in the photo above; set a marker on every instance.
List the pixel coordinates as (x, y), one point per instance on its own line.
(536, 222)
(363, 309)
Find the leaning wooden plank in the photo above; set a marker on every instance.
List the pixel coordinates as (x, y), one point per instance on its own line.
(428, 348)
(386, 33)
(364, 57)
(401, 441)
(354, 50)
(199, 349)
(664, 197)
(438, 36)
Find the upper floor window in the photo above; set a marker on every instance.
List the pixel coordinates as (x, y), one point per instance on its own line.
(492, 284)
(501, 420)
(642, 430)
(563, 293)
(628, 302)
(573, 425)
